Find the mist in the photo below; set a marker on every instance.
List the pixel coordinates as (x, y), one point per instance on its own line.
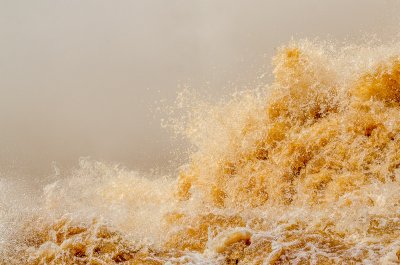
(83, 78)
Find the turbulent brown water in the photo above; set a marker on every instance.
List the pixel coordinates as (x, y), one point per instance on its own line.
(302, 171)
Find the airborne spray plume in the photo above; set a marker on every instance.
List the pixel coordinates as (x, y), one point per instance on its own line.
(304, 171)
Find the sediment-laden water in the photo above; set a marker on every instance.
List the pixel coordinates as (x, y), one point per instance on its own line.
(302, 171)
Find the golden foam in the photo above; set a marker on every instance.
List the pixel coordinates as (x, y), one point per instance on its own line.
(306, 173)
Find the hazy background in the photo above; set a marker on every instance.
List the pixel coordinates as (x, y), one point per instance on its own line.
(81, 77)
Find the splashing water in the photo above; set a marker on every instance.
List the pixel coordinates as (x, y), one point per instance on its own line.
(302, 171)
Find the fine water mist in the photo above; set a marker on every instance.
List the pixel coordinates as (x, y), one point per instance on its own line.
(85, 78)
(177, 132)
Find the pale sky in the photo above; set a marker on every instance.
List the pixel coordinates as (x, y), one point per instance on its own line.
(81, 77)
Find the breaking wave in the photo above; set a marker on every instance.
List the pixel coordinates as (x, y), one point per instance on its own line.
(301, 171)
